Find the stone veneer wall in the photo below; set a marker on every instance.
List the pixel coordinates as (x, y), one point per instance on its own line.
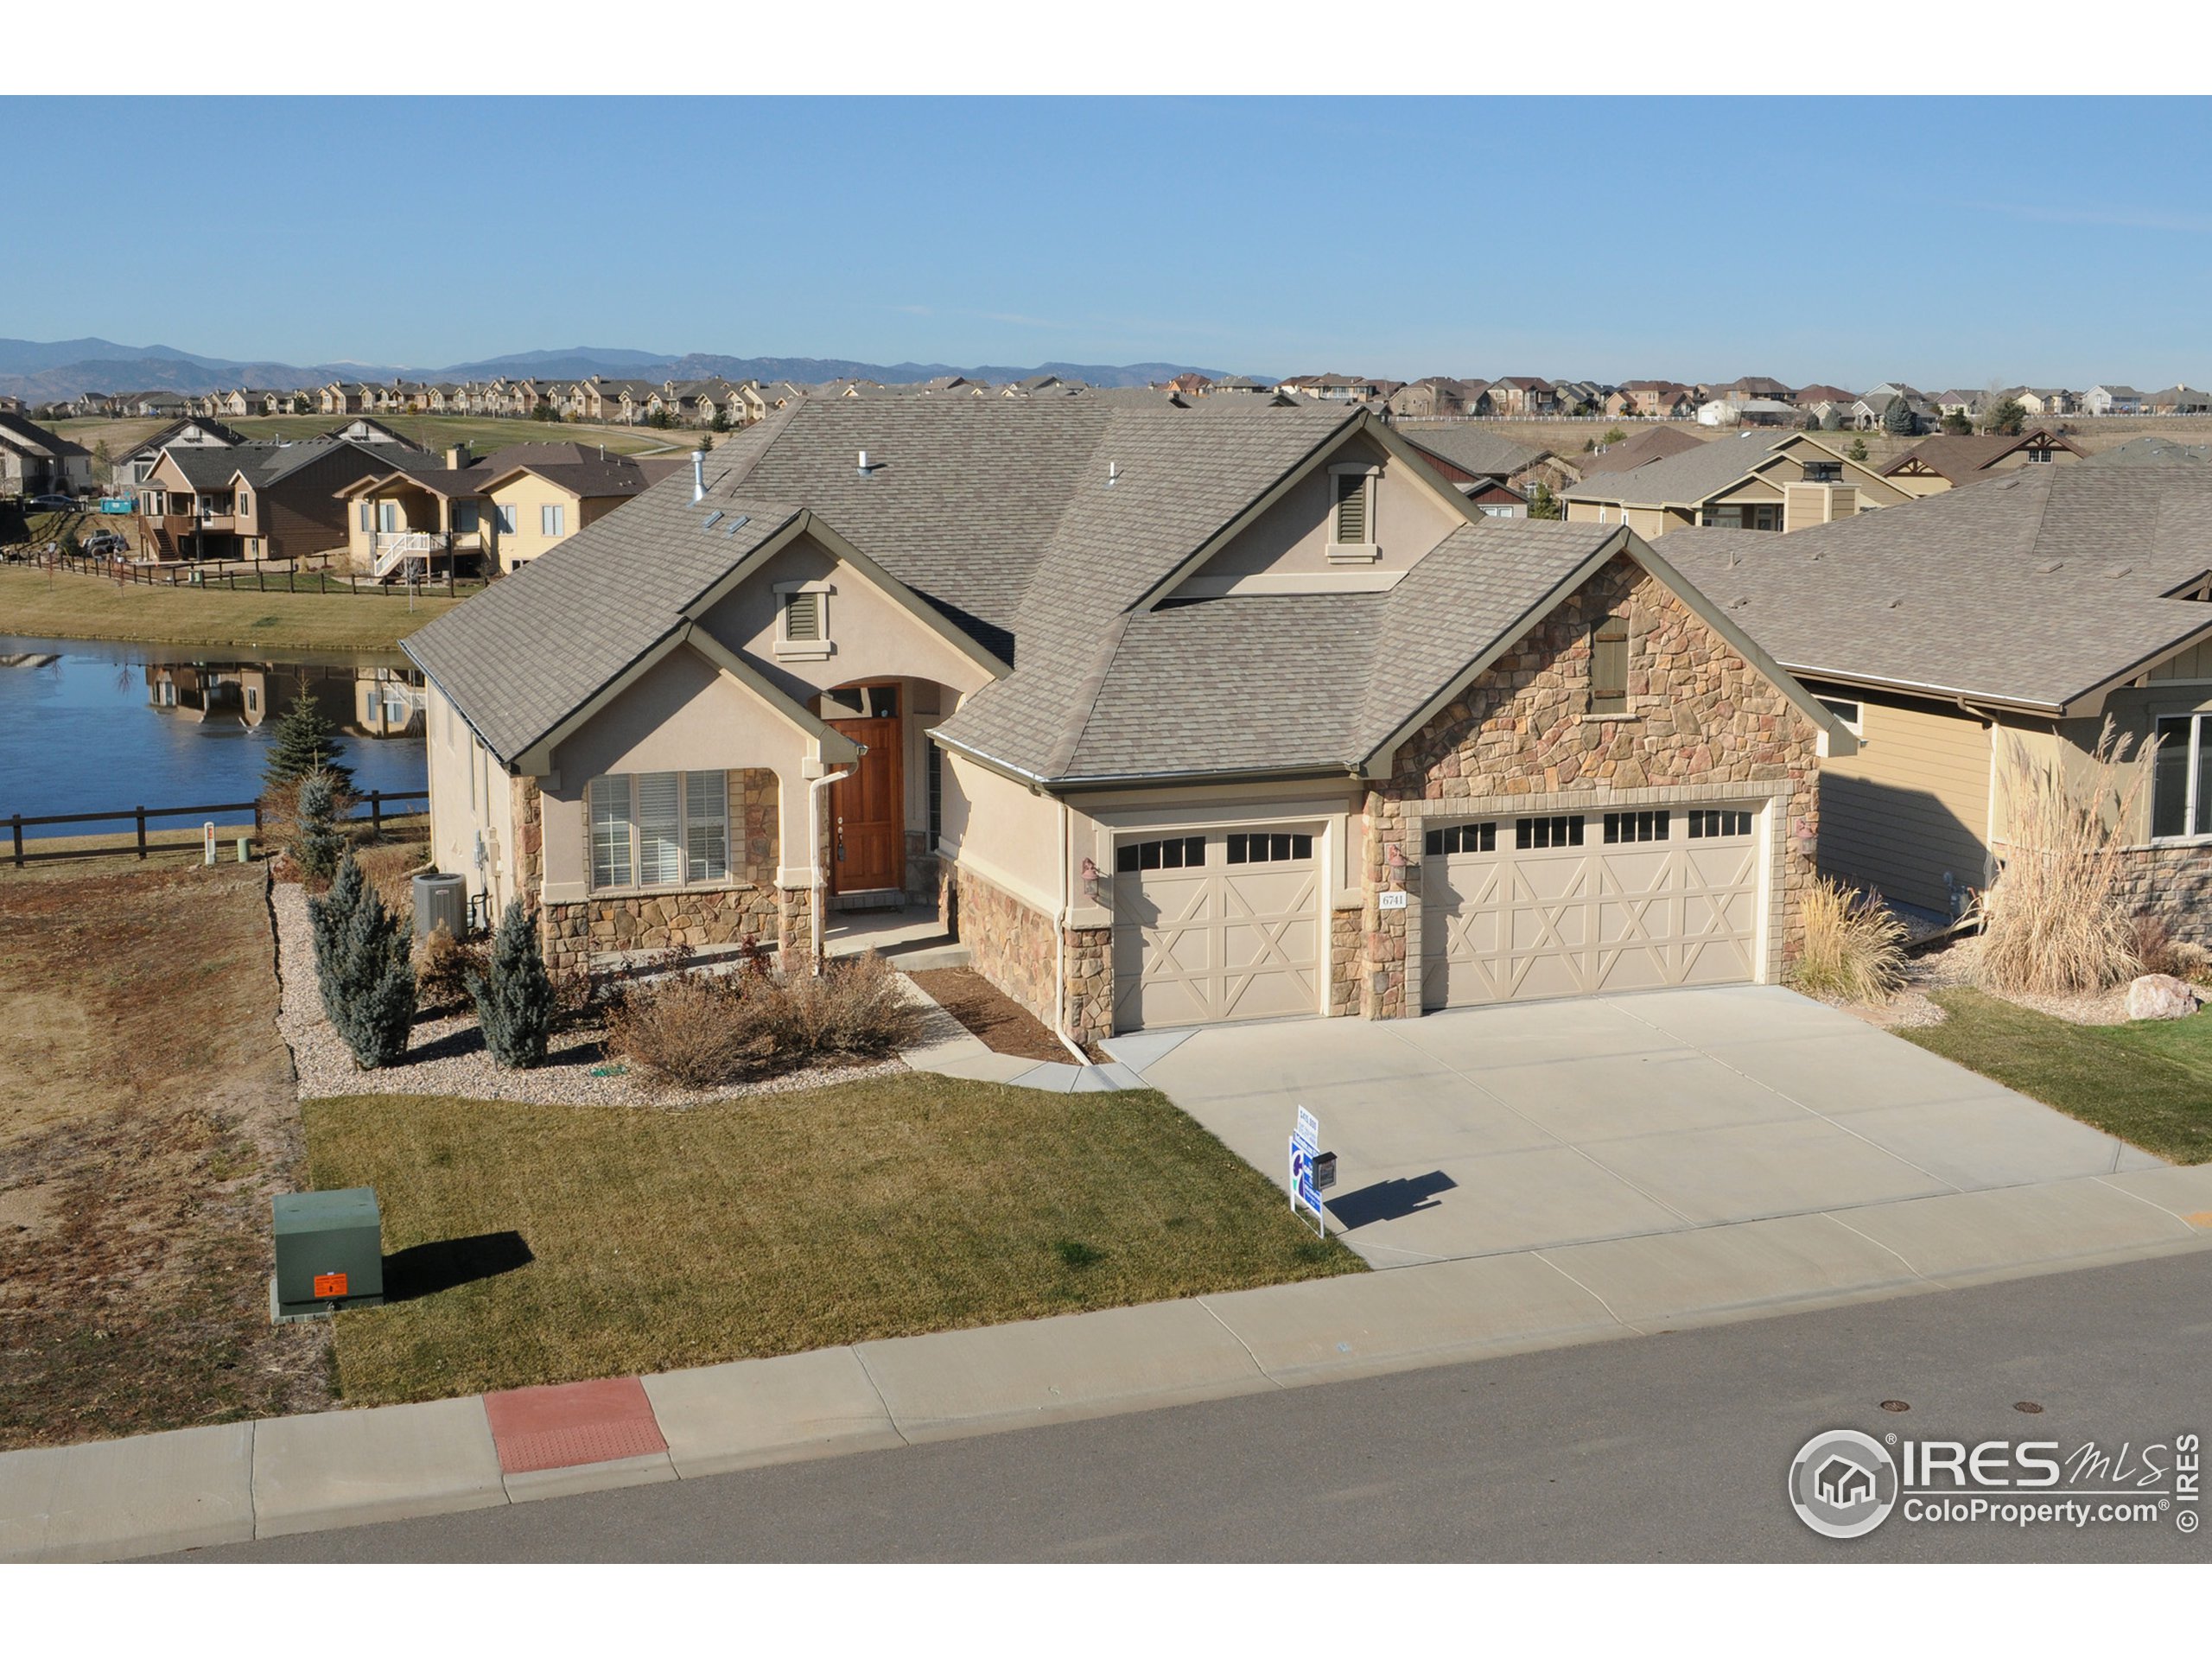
(2175, 885)
(1347, 961)
(753, 907)
(1699, 717)
(1013, 946)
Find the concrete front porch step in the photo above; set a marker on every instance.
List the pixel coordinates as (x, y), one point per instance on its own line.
(922, 957)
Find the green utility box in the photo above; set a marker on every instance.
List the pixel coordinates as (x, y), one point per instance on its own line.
(329, 1253)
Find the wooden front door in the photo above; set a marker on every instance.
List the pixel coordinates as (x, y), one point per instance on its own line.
(867, 824)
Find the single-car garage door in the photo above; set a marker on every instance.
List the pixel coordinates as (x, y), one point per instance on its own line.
(1220, 925)
(1515, 909)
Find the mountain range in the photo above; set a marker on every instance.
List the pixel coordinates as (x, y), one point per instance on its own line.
(47, 371)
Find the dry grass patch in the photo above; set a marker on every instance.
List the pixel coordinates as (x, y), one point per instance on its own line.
(146, 1118)
(70, 606)
(879, 1208)
(2056, 924)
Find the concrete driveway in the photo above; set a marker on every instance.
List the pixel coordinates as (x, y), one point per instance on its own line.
(1482, 1131)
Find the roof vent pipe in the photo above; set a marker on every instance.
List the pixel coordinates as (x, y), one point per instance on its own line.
(864, 463)
(699, 474)
(1112, 473)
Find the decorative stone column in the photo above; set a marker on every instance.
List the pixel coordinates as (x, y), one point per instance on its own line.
(1384, 991)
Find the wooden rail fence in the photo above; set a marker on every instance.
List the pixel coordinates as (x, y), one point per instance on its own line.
(256, 581)
(375, 801)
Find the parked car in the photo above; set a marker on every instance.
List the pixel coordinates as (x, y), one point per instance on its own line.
(52, 503)
(102, 543)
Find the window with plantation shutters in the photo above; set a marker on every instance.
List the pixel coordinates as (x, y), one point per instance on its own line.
(610, 832)
(1352, 509)
(706, 825)
(660, 829)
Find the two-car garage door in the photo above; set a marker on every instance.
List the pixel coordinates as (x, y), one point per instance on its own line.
(1516, 909)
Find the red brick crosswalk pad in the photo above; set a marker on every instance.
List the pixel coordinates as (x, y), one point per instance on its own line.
(574, 1423)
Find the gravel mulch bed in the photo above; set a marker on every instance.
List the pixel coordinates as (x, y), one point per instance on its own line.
(988, 1012)
(447, 1057)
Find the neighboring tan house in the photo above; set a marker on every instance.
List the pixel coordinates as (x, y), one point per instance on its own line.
(363, 429)
(1810, 396)
(1466, 454)
(131, 471)
(503, 510)
(261, 500)
(2180, 400)
(1335, 388)
(2112, 400)
(2043, 402)
(34, 461)
(1436, 397)
(1520, 395)
(1651, 400)
(1758, 480)
(1171, 721)
(1934, 464)
(2032, 607)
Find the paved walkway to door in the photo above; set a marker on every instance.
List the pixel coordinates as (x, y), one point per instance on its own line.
(1481, 1131)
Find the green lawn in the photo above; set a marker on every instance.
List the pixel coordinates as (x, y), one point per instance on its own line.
(2149, 1083)
(72, 607)
(879, 1208)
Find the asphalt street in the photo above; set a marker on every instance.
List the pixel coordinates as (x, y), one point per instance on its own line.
(1664, 1448)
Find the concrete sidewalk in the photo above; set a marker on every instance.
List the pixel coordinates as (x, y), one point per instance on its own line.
(164, 1492)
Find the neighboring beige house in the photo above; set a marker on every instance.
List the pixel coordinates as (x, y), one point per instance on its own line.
(1171, 719)
(1759, 481)
(1934, 464)
(1520, 395)
(502, 510)
(258, 500)
(34, 461)
(2030, 606)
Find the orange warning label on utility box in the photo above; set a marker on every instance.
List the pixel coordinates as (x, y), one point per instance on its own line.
(329, 1284)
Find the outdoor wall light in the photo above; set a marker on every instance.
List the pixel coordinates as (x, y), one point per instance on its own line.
(1091, 878)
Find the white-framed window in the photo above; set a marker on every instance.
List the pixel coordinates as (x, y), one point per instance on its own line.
(387, 517)
(550, 518)
(367, 523)
(508, 519)
(659, 829)
(1850, 711)
(2181, 778)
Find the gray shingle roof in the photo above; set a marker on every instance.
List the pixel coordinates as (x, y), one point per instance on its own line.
(2030, 589)
(999, 514)
(1475, 448)
(2151, 452)
(1652, 444)
(1690, 476)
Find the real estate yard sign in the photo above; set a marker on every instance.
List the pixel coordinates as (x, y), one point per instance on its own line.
(1305, 1147)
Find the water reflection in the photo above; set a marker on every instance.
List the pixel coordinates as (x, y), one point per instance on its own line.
(362, 700)
(87, 725)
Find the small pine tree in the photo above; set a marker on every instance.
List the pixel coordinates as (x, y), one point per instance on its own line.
(1542, 504)
(1898, 418)
(1613, 436)
(1857, 450)
(1831, 420)
(1957, 425)
(328, 918)
(514, 1000)
(2009, 417)
(367, 977)
(317, 843)
(305, 741)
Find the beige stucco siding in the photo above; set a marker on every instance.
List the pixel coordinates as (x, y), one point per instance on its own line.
(470, 797)
(1911, 804)
(1007, 835)
(528, 496)
(684, 714)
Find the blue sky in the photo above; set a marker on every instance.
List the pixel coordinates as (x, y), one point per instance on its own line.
(1946, 242)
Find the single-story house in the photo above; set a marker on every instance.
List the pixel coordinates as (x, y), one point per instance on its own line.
(1171, 720)
(2032, 607)
(1934, 464)
(1652, 444)
(2180, 400)
(1755, 480)
(1465, 453)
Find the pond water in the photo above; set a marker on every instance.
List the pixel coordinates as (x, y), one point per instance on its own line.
(90, 726)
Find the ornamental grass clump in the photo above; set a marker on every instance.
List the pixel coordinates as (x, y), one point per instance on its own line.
(854, 1008)
(363, 968)
(515, 1000)
(1854, 945)
(698, 1030)
(693, 1030)
(2057, 920)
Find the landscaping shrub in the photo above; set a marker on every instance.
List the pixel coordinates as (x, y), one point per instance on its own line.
(281, 821)
(316, 842)
(854, 1007)
(702, 1029)
(695, 1030)
(1854, 945)
(514, 998)
(2154, 947)
(362, 965)
(443, 968)
(2054, 917)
